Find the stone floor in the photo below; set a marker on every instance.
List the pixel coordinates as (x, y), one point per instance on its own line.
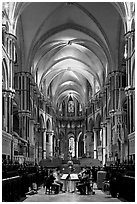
(70, 197)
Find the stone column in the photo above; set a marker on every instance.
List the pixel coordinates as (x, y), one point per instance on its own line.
(103, 125)
(109, 139)
(4, 117)
(84, 140)
(95, 143)
(8, 110)
(11, 39)
(130, 92)
(51, 143)
(75, 139)
(44, 143)
(129, 47)
(9, 117)
(66, 149)
(77, 149)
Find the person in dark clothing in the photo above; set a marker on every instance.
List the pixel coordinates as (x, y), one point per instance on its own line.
(50, 182)
(94, 174)
(83, 183)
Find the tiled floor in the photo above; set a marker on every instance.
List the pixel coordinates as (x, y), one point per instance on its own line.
(70, 197)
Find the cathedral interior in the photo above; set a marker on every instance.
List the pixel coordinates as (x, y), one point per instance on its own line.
(68, 81)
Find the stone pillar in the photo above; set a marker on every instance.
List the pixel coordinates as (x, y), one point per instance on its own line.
(115, 78)
(95, 143)
(51, 144)
(4, 116)
(8, 40)
(23, 91)
(42, 131)
(129, 47)
(8, 110)
(84, 140)
(77, 149)
(130, 93)
(66, 147)
(109, 138)
(103, 124)
(44, 144)
(129, 90)
(8, 113)
(11, 39)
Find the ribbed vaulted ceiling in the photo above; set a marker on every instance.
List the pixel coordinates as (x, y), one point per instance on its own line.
(69, 45)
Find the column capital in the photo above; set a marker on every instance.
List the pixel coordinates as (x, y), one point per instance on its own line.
(129, 34)
(112, 112)
(24, 113)
(42, 129)
(13, 37)
(116, 72)
(96, 129)
(103, 124)
(25, 73)
(129, 90)
(108, 119)
(9, 93)
(51, 133)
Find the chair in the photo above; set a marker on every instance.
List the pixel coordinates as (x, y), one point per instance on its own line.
(106, 186)
(49, 187)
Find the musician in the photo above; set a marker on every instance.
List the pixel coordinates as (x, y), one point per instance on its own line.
(84, 182)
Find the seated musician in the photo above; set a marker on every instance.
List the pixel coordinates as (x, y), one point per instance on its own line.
(50, 182)
(57, 180)
(84, 182)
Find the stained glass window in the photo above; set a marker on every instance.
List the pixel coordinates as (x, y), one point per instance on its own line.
(70, 106)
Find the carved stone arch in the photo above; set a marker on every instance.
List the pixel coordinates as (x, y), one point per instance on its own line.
(125, 123)
(15, 117)
(133, 74)
(70, 134)
(48, 124)
(124, 104)
(104, 111)
(35, 111)
(71, 143)
(98, 121)
(80, 144)
(61, 135)
(41, 136)
(79, 134)
(41, 120)
(31, 105)
(98, 128)
(4, 74)
(109, 105)
(133, 24)
(90, 124)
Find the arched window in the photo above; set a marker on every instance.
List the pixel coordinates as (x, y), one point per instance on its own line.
(60, 107)
(70, 106)
(72, 146)
(80, 107)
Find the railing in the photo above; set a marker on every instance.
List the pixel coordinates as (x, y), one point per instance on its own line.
(15, 188)
(121, 184)
(75, 118)
(123, 187)
(12, 189)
